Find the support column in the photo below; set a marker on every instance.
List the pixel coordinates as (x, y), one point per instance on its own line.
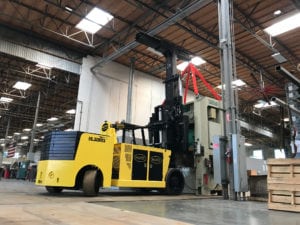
(7, 128)
(6, 133)
(30, 152)
(130, 88)
(1, 151)
(227, 59)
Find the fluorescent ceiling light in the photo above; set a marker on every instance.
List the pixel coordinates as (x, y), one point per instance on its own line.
(9, 137)
(277, 12)
(52, 119)
(16, 133)
(68, 8)
(248, 144)
(6, 100)
(285, 25)
(21, 85)
(286, 119)
(94, 20)
(39, 124)
(2, 145)
(235, 83)
(26, 129)
(24, 137)
(263, 104)
(198, 61)
(182, 66)
(71, 111)
(238, 83)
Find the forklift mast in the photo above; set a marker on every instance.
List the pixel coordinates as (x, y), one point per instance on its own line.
(168, 127)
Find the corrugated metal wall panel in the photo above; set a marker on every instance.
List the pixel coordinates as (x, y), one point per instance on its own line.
(39, 57)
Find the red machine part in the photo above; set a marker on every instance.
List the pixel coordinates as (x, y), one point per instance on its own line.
(192, 71)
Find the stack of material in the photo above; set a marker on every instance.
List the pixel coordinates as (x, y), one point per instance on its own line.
(284, 184)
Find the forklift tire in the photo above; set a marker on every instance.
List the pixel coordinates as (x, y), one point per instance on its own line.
(54, 190)
(91, 183)
(174, 182)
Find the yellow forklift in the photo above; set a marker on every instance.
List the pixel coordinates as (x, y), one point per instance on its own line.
(77, 160)
(87, 161)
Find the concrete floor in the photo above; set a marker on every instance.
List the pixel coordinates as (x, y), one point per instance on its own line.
(23, 203)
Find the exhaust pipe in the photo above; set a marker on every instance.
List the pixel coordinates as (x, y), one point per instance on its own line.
(284, 104)
(286, 73)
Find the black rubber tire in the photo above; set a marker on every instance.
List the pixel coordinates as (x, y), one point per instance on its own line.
(91, 183)
(54, 190)
(174, 182)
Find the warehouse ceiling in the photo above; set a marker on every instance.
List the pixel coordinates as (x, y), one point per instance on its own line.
(191, 25)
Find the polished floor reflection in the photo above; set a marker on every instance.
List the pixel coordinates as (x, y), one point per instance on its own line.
(211, 211)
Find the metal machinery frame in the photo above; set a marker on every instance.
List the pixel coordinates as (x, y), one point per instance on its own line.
(168, 126)
(187, 130)
(290, 136)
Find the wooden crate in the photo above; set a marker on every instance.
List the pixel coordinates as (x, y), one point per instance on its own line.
(284, 184)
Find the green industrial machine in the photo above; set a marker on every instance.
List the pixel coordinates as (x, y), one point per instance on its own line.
(205, 121)
(22, 169)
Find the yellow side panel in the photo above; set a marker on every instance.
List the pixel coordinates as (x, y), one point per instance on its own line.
(56, 173)
(138, 183)
(93, 150)
(125, 163)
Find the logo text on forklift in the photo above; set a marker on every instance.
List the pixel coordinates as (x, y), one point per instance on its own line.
(97, 139)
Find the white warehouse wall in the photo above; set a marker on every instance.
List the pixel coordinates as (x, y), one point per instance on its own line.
(103, 96)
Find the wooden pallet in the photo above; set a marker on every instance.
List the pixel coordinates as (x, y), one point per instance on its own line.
(284, 184)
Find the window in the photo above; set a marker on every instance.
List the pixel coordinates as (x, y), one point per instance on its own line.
(257, 154)
(94, 20)
(279, 153)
